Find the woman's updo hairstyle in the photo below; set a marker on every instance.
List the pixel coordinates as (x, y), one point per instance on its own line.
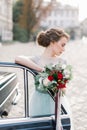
(44, 38)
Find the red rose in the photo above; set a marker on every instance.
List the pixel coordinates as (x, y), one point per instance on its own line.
(50, 77)
(60, 76)
(61, 85)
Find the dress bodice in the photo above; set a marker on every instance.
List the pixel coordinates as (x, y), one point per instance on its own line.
(42, 61)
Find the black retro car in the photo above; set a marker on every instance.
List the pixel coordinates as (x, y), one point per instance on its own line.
(17, 80)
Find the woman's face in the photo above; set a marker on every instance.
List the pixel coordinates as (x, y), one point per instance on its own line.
(59, 47)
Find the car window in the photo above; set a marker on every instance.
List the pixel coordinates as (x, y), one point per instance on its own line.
(11, 93)
(40, 104)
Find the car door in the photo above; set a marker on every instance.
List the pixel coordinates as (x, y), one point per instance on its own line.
(15, 108)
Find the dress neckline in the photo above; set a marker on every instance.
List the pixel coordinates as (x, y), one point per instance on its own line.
(49, 58)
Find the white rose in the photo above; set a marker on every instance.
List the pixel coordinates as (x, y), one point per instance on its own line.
(46, 81)
(63, 66)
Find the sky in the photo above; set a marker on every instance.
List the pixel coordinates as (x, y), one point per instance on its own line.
(78, 3)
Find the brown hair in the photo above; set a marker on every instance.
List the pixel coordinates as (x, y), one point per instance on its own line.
(44, 38)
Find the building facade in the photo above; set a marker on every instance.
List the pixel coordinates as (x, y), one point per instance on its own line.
(83, 27)
(6, 23)
(64, 16)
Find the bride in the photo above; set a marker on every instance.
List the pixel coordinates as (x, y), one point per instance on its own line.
(54, 41)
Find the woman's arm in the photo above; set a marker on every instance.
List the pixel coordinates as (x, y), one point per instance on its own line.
(23, 60)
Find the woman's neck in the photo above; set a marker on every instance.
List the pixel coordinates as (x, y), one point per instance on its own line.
(48, 53)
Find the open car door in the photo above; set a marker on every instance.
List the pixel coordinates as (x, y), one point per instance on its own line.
(17, 118)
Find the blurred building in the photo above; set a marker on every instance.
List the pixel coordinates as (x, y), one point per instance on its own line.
(6, 23)
(83, 27)
(64, 16)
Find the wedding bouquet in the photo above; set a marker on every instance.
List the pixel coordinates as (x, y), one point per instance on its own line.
(53, 78)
